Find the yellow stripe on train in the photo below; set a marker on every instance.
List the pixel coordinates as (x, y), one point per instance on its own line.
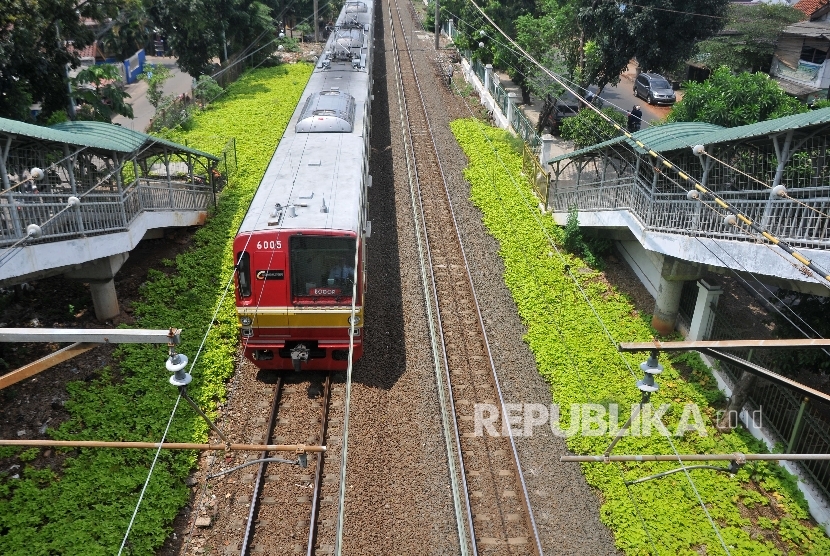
(285, 317)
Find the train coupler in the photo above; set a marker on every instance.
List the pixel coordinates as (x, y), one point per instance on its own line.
(299, 353)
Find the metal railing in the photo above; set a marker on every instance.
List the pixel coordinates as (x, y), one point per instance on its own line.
(674, 213)
(801, 426)
(99, 212)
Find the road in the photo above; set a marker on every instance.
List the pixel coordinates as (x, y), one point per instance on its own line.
(622, 96)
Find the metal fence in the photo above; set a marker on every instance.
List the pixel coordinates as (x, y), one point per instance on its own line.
(99, 212)
(800, 425)
(515, 116)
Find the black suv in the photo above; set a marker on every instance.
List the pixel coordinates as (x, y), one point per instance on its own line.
(654, 88)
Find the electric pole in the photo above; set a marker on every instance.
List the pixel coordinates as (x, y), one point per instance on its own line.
(316, 21)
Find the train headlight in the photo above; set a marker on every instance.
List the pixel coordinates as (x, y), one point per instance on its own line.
(246, 321)
(355, 320)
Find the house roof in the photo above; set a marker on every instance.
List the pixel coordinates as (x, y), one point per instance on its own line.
(676, 136)
(795, 89)
(809, 7)
(815, 29)
(96, 136)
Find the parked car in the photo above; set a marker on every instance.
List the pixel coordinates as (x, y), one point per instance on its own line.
(654, 89)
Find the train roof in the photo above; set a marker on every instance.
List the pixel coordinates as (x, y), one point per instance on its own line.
(315, 180)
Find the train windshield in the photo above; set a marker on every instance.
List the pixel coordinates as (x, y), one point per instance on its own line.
(322, 267)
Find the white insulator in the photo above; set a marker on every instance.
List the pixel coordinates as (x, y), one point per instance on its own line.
(177, 365)
(73, 201)
(698, 150)
(34, 230)
(692, 195)
(779, 190)
(481, 45)
(37, 173)
(280, 47)
(730, 220)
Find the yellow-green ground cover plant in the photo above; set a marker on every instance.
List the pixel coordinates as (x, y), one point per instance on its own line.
(757, 511)
(84, 508)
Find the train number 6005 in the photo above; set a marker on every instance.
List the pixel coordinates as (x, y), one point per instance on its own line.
(269, 245)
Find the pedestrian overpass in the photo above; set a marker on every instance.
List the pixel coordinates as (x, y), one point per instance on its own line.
(775, 172)
(77, 197)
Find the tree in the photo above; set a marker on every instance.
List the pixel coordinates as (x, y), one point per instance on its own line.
(130, 31)
(198, 31)
(97, 88)
(730, 100)
(589, 128)
(34, 51)
(749, 38)
(155, 76)
(596, 39)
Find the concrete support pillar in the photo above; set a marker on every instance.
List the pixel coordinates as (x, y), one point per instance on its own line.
(104, 299)
(666, 305)
(451, 28)
(99, 274)
(546, 153)
(707, 299)
(488, 77)
(511, 107)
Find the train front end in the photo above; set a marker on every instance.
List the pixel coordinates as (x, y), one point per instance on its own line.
(294, 297)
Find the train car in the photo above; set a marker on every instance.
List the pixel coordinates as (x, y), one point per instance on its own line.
(301, 249)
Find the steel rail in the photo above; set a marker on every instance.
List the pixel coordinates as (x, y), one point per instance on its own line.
(434, 288)
(260, 476)
(318, 473)
(531, 522)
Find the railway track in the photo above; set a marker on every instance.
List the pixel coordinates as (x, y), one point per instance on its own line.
(492, 503)
(266, 504)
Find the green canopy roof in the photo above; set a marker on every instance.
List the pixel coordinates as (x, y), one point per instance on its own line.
(96, 135)
(681, 135)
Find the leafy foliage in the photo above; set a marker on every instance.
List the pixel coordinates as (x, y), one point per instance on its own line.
(589, 128)
(596, 40)
(86, 506)
(34, 52)
(752, 37)
(130, 30)
(97, 87)
(198, 31)
(574, 355)
(731, 100)
(155, 75)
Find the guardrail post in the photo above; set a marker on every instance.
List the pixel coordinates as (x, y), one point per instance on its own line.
(488, 77)
(119, 167)
(509, 108)
(799, 419)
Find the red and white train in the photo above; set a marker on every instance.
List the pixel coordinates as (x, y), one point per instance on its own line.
(301, 249)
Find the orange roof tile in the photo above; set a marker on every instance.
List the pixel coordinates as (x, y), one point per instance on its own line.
(809, 7)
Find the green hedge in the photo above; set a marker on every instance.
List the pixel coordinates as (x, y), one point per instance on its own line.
(759, 511)
(85, 508)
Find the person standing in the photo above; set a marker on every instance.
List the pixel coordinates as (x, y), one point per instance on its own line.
(635, 118)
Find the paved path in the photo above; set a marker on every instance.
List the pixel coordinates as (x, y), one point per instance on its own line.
(178, 84)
